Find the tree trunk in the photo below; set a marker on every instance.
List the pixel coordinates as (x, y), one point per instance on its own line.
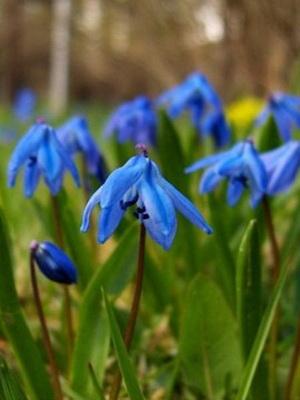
(59, 57)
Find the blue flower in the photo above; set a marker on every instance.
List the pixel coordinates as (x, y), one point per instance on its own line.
(53, 262)
(282, 166)
(42, 155)
(76, 137)
(214, 123)
(24, 104)
(197, 96)
(241, 166)
(134, 121)
(139, 183)
(285, 110)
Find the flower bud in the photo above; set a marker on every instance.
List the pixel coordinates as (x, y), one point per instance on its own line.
(53, 262)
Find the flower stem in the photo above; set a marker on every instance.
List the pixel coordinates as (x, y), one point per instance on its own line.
(87, 194)
(45, 332)
(293, 365)
(274, 276)
(129, 330)
(67, 297)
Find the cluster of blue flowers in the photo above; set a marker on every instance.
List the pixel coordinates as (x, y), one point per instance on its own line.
(48, 153)
(136, 120)
(268, 173)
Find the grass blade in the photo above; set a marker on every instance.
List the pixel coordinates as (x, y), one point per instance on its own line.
(9, 387)
(249, 300)
(124, 361)
(93, 332)
(261, 337)
(13, 323)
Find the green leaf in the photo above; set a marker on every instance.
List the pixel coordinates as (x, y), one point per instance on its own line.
(125, 364)
(248, 287)
(226, 266)
(172, 164)
(268, 136)
(9, 387)
(92, 341)
(98, 389)
(208, 348)
(13, 323)
(261, 337)
(78, 249)
(249, 300)
(170, 153)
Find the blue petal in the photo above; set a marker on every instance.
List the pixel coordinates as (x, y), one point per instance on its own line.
(209, 180)
(66, 159)
(31, 178)
(263, 116)
(255, 167)
(48, 158)
(26, 147)
(109, 220)
(162, 218)
(164, 240)
(234, 191)
(231, 166)
(94, 199)
(255, 198)
(285, 171)
(283, 123)
(185, 206)
(270, 158)
(206, 162)
(120, 180)
(213, 159)
(55, 184)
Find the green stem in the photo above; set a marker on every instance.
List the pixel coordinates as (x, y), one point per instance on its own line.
(67, 297)
(293, 366)
(45, 332)
(129, 331)
(86, 193)
(274, 276)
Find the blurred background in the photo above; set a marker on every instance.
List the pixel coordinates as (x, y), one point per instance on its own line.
(111, 50)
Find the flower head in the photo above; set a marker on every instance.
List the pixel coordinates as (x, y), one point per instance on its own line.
(53, 262)
(134, 121)
(139, 183)
(241, 166)
(24, 104)
(282, 166)
(76, 137)
(197, 96)
(42, 155)
(285, 110)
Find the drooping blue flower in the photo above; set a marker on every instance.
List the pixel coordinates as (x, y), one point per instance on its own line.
(241, 166)
(134, 121)
(198, 97)
(24, 104)
(282, 166)
(53, 262)
(42, 154)
(76, 137)
(285, 109)
(215, 124)
(139, 183)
